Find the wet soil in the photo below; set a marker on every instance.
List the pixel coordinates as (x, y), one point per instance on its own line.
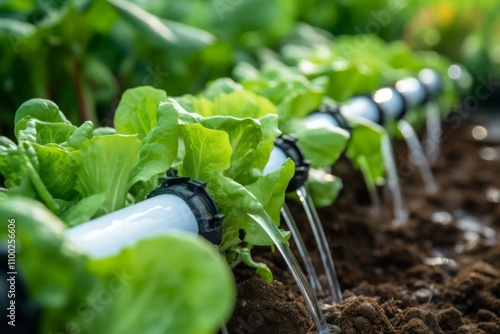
(439, 273)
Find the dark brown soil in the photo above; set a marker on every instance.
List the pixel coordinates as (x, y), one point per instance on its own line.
(440, 273)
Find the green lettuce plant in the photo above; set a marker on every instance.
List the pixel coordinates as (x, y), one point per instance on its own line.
(84, 172)
(163, 284)
(298, 96)
(349, 65)
(294, 97)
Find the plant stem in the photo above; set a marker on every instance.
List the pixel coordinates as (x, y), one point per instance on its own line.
(83, 106)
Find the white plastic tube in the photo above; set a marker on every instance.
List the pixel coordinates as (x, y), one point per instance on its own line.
(430, 79)
(107, 235)
(276, 160)
(412, 90)
(361, 106)
(390, 101)
(321, 120)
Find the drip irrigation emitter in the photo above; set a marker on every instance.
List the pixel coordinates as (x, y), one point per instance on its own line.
(285, 147)
(179, 204)
(364, 106)
(332, 117)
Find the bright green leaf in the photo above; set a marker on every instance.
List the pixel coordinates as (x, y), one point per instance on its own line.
(106, 163)
(174, 283)
(136, 113)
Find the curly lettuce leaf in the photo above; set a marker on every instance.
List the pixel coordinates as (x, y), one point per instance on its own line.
(105, 166)
(36, 131)
(252, 139)
(365, 148)
(324, 187)
(20, 166)
(174, 283)
(41, 109)
(158, 149)
(244, 254)
(252, 209)
(57, 168)
(245, 212)
(164, 284)
(83, 133)
(54, 270)
(321, 145)
(136, 113)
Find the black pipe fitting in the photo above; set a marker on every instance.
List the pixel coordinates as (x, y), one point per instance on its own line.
(334, 111)
(201, 203)
(288, 145)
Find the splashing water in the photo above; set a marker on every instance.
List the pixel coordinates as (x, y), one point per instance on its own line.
(418, 156)
(434, 131)
(304, 286)
(304, 254)
(322, 242)
(400, 213)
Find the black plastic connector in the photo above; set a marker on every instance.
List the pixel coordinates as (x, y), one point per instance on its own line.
(201, 203)
(288, 145)
(334, 111)
(336, 115)
(401, 113)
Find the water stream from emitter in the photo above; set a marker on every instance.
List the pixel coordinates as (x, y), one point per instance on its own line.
(417, 155)
(322, 242)
(434, 132)
(301, 246)
(301, 280)
(400, 212)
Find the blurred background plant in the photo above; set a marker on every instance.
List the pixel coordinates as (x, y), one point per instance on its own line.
(83, 54)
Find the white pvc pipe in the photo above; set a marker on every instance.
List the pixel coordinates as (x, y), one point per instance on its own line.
(361, 106)
(412, 90)
(107, 235)
(430, 79)
(276, 160)
(321, 120)
(391, 103)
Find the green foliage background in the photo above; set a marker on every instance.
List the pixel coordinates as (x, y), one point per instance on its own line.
(83, 54)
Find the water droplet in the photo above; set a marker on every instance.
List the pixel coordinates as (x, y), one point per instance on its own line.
(474, 228)
(488, 153)
(440, 261)
(423, 295)
(493, 194)
(454, 71)
(442, 217)
(479, 132)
